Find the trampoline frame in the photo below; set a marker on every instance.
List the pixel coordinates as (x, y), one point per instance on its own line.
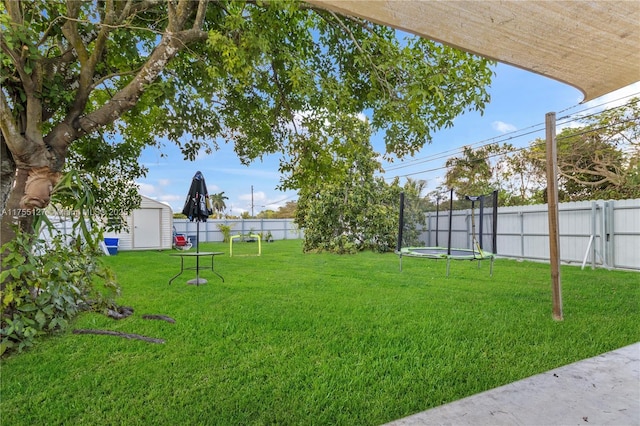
(448, 254)
(474, 253)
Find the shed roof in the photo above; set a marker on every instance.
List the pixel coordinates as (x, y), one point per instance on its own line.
(148, 201)
(591, 45)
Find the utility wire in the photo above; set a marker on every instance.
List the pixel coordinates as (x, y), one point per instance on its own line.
(279, 201)
(516, 134)
(511, 136)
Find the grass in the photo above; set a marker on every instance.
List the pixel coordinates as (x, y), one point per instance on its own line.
(292, 338)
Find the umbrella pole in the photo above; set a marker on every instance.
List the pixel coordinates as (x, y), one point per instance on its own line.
(197, 251)
(197, 281)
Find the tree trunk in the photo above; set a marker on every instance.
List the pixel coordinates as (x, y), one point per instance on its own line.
(13, 216)
(13, 213)
(7, 173)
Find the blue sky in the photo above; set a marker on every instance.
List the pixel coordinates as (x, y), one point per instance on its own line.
(519, 102)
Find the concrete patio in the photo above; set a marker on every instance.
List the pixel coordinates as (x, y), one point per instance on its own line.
(603, 390)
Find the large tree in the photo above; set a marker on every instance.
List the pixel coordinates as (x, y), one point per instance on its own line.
(520, 179)
(119, 75)
(599, 159)
(472, 172)
(345, 207)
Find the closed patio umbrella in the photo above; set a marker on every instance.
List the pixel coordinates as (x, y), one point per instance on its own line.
(197, 207)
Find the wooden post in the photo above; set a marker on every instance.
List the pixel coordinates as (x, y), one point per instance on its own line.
(552, 199)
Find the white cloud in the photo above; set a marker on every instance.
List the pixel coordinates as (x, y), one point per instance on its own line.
(162, 191)
(258, 197)
(147, 189)
(171, 198)
(213, 188)
(237, 211)
(503, 127)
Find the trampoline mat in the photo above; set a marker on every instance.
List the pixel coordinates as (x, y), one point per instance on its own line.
(443, 253)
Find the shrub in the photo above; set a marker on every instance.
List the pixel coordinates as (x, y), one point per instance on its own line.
(226, 232)
(46, 283)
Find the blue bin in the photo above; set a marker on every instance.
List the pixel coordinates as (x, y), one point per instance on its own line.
(112, 245)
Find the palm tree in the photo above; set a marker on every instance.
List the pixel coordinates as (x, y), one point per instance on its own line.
(217, 203)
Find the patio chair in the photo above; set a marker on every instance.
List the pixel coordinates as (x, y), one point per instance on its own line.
(181, 242)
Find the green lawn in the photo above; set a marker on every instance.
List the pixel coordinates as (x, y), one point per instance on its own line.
(292, 338)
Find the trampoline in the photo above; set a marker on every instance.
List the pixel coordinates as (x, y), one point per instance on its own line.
(449, 253)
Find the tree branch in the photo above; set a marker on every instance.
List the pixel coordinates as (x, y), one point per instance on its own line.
(126, 98)
(375, 68)
(172, 42)
(88, 61)
(9, 126)
(131, 8)
(23, 149)
(118, 334)
(70, 31)
(201, 14)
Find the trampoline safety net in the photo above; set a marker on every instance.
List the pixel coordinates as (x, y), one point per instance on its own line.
(463, 229)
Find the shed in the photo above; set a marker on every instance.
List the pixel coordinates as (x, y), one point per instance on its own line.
(150, 227)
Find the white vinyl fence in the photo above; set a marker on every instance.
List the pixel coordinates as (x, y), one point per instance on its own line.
(281, 229)
(595, 233)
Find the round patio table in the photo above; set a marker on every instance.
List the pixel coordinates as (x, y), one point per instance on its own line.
(197, 268)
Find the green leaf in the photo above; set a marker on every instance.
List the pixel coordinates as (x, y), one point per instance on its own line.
(5, 345)
(29, 307)
(41, 318)
(5, 274)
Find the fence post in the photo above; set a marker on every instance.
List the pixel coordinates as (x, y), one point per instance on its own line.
(467, 223)
(610, 252)
(594, 214)
(521, 214)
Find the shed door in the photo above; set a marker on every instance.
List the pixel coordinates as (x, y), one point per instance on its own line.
(146, 228)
